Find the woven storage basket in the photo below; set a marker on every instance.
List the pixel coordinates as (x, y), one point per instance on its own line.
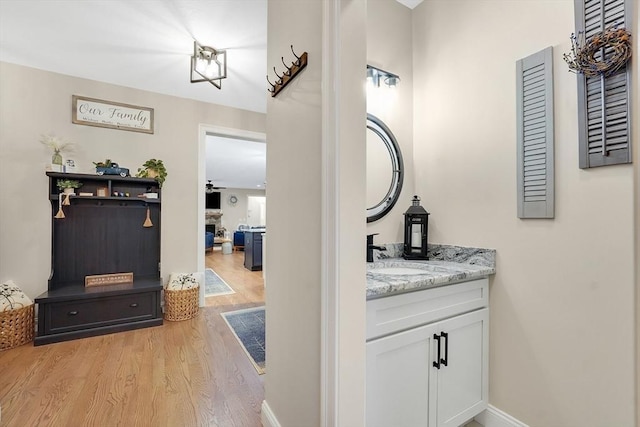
(181, 304)
(16, 327)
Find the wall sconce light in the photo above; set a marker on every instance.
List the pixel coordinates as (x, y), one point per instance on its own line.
(375, 75)
(208, 65)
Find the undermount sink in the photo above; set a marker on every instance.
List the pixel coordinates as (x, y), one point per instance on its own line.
(405, 271)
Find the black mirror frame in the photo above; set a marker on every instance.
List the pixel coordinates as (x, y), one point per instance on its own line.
(382, 208)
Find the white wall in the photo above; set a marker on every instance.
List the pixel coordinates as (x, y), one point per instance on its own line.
(389, 47)
(256, 211)
(233, 215)
(35, 102)
(562, 300)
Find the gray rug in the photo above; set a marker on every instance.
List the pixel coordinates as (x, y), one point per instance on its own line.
(248, 327)
(214, 285)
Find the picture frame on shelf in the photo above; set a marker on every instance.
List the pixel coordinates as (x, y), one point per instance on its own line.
(70, 166)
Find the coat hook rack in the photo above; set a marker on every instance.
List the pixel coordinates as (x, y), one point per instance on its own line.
(288, 75)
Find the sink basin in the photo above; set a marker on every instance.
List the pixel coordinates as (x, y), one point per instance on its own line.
(405, 271)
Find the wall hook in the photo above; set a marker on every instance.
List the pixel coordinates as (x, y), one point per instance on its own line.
(297, 62)
(273, 87)
(290, 72)
(279, 81)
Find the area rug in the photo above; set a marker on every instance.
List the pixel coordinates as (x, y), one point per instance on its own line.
(214, 285)
(248, 327)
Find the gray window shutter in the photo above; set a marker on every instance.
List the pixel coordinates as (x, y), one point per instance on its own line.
(534, 76)
(604, 103)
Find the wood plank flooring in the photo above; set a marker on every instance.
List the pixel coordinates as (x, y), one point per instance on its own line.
(189, 373)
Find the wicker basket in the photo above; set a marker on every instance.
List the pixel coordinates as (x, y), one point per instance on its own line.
(181, 304)
(16, 327)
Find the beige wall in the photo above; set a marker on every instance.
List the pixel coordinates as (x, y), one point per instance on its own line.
(316, 175)
(389, 47)
(635, 82)
(294, 129)
(35, 102)
(562, 300)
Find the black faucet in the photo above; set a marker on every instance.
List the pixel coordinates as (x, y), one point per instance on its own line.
(371, 247)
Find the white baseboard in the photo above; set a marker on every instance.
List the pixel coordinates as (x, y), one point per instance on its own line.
(267, 416)
(494, 417)
(491, 417)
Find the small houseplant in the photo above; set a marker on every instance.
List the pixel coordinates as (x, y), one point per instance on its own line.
(68, 185)
(58, 146)
(105, 164)
(153, 168)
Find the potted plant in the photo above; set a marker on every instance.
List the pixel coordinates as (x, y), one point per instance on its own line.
(153, 168)
(105, 164)
(58, 146)
(68, 185)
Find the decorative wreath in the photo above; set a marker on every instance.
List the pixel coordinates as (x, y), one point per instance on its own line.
(616, 43)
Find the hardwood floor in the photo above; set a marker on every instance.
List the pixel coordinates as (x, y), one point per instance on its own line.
(189, 373)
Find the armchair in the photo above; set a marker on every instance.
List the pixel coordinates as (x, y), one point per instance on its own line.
(238, 240)
(208, 241)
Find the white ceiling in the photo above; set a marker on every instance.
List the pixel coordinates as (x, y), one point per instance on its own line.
(144, 44)
(147, 44)
(236, 163)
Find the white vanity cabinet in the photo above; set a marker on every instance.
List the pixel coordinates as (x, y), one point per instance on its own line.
(427, 356)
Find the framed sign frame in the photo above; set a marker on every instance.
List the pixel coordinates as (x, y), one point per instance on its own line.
(112, 115)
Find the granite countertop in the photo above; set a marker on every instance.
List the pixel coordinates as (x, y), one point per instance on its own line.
(446, 265)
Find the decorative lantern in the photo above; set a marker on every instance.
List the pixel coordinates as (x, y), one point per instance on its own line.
(416, 221)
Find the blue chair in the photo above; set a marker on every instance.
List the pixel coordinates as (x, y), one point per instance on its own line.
(238, 240)
(208, 241)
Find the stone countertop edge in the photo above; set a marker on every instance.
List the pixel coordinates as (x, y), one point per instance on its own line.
(448, 265)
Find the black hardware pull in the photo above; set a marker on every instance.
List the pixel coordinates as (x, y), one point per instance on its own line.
(436, 364)
(134, 305)
(445, 361)
(72, 313)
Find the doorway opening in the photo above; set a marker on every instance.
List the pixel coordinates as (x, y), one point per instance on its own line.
(232, 212)
(231, 198)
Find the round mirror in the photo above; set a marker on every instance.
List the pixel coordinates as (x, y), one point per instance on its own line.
(384, 169)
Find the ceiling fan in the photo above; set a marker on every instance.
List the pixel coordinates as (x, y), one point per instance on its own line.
(209, 188)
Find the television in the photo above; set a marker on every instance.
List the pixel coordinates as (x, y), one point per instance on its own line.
(212, 200)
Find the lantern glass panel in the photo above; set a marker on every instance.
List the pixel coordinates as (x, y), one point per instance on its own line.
(416, 237)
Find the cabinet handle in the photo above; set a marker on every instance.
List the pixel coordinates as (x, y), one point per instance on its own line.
(436, 364)
(72, 313)
(134, 305)
(446, 348)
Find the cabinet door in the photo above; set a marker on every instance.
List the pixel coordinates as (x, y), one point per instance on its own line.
(398, 370)
(248, 250)
(462, 385)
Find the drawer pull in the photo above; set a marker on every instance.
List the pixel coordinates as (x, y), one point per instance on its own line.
(445, 361)
(72, 313)
(134, 305)
(436, 364)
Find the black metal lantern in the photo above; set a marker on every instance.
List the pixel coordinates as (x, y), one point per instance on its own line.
(416, 221)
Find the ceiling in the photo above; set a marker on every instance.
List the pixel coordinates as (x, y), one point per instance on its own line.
(144, 44)
(235, 163)
(147, 44)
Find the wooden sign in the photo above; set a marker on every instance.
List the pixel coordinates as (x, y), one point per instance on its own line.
(108, 279)
(113, 115)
